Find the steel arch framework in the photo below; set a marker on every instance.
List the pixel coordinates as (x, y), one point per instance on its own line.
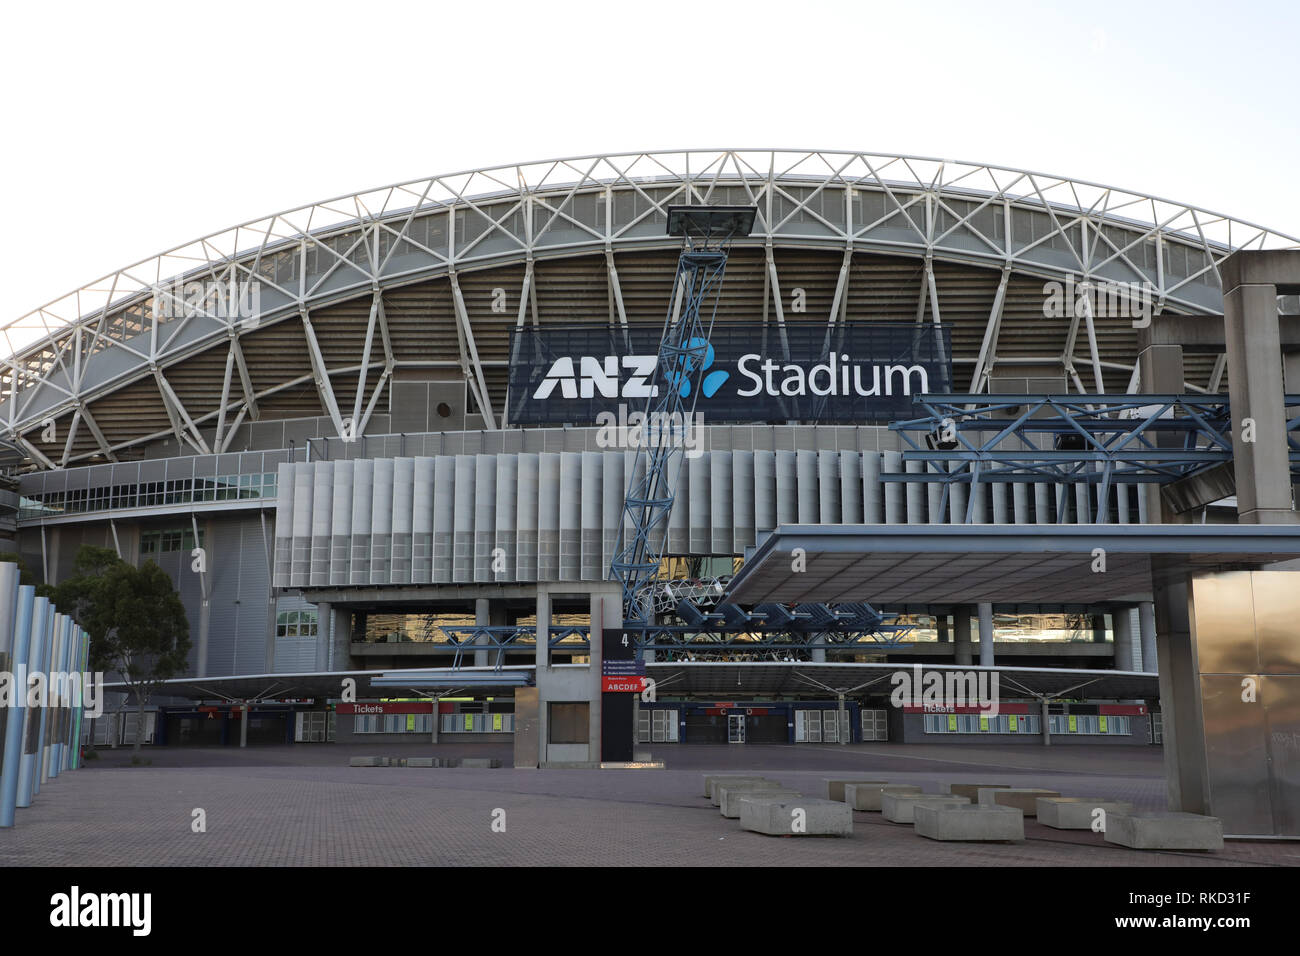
(110, 333)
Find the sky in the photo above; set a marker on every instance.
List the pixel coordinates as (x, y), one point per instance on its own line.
(133, 127)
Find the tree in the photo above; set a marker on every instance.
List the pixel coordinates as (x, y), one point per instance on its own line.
(135, 620)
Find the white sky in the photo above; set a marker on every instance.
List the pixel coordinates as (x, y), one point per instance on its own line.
(131, 127)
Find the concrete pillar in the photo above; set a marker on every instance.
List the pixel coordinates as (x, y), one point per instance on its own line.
(1099, 628)
(1180, 696)
(243, 725)
(1045, 722)
(433, 735)
(941, 628)
(1160, 368)
(1122, 620)
(818, 655)
(986, 634)
(482, 617)
(324, 634)
(1252, 336)
(1147, 636)
(341, 639)
(961, 631)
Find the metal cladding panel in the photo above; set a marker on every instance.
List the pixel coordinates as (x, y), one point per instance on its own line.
(403, 505)
(422, 521)
(1000, 502)
(341, 522)
(807, 495)
(485, 513)
(699, 532)
(721, 532)
(284, 526)
(742, 501)
(764, 490)
(873, 489)
(981, 510)
(956, 503)
(507, 504)
(570, 532)
(1083, 507)
(679, 519)
(548, 516)
(850, 487)
(613, 488)
(787, 489)
(828, 487)
(526, 518)
(1121, 493)
(462, 567)
(444, 510)
(891, 463)
(593, 468)
(363, 479)
(300, 573)
(1043, 511)
(381, 520)
(1020, 502)
(915, 495)
(934, 497)
(254, 598)
(322, 510)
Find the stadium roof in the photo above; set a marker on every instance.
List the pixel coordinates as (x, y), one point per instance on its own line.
(192, 372)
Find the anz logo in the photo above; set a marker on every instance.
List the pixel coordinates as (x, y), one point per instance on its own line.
(601, 376)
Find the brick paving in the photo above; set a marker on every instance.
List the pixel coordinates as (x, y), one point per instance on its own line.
(303, 806)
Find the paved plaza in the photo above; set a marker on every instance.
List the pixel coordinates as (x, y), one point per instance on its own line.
(303, 805)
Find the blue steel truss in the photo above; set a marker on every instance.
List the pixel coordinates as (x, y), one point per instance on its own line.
(501, 637)
(1100, 440)
(683, 351)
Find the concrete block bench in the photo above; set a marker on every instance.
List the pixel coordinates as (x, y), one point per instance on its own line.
(735, 786)
(483, 763)
(367, 761)
(1076, 813)
(866, 796)
(422, 762)
(1024, 799)
(1164, 830)
(835, 786)
(901, 807)
(729, 805)
(972, 790)
(795, 816)
(711, 779)
(968, 822)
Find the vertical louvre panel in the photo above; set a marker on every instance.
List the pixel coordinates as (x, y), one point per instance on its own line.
(571, 491)
(341, 523)
(874, 491)
(721, 533)
(363, 478)
(444, 517)
(462, 538)
(828, 487)
(806, 485)
(302, 502)
(679, 478)
(593, 502)
(485, 512)
(765, 495)
(742, 501)
(284, 526)
(507, 512)
(548, 517)
(699, 524)
(403, 502)
(850, 490)
(422, 521)
(915, 494)
(526, 520)
(613, 494)
(381, 523)
(322, 508)
(787, 490)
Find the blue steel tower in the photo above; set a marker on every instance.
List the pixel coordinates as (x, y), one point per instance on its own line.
(707, 232)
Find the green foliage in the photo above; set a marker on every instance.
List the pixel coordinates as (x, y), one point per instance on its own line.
(134, 617)
(25, 575)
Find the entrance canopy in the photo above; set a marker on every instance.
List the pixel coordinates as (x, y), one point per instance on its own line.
(890, 565)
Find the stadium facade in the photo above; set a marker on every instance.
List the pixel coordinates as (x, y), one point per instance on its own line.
(363, 435)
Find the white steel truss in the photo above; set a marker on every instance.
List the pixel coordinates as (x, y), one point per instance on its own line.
(106, 334)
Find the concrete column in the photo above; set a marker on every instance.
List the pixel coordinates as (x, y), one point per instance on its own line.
(482, 612)
(1147, 636)
(986, 634)
(1099, 628)
(1122, 620)
(941, 628)
(1180, 696)
(1160, 368)
(1045, 722)
(1252, 337)
(243, 725)
(324, 634)
(433, 736)
(818, 655)
(341, 638)
(961, 631)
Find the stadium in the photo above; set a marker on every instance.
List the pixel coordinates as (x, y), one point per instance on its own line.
(395, 423)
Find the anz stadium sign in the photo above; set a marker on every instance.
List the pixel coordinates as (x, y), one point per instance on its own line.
(854, 372)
